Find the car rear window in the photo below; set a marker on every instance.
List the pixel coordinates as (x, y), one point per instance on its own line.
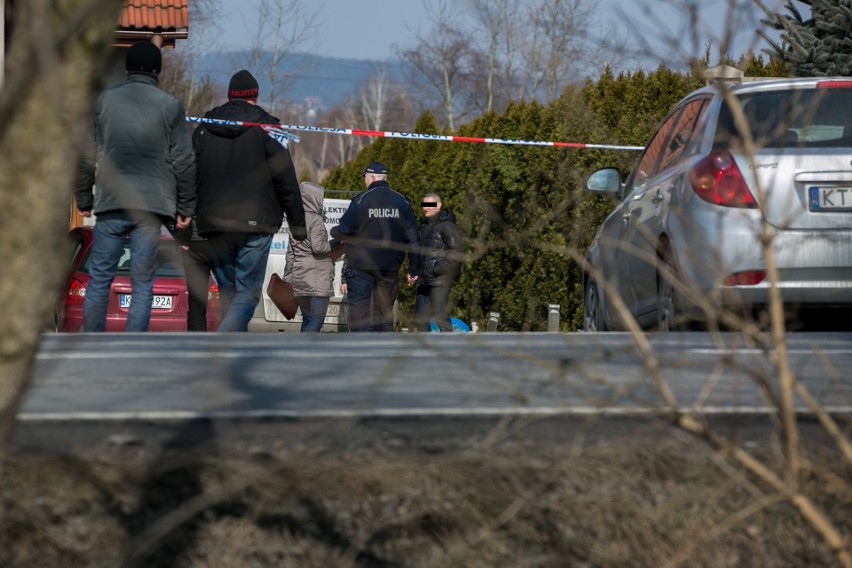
(169, 263)
(820, 118)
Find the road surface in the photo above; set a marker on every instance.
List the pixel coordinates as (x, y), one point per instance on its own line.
(91, 389)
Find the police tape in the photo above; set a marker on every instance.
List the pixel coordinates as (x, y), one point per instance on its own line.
(279, 132)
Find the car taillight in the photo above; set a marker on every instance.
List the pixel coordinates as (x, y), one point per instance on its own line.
(745, 278)
(213, 291)
(76, 293)
(717, 179)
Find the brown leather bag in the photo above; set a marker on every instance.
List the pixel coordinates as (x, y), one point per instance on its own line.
(338, 249)
(281, 294)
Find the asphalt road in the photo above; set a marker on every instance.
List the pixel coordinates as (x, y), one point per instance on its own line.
(436, 386)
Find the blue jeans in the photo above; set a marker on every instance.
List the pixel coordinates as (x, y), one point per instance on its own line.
(110, 236)
(239, 263)
(313, 310)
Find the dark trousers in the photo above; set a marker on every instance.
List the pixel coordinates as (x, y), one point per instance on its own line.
(380, 286)
(197, 264)
(313, 310)
(433, 302)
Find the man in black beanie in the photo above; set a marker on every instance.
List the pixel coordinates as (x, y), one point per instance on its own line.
(246, 184)
(243, 86)
(144, 57)
(142, 167)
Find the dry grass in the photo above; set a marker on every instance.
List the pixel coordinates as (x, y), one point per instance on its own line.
(622, 504)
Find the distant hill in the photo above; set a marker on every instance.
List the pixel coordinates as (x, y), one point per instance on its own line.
(329, 78)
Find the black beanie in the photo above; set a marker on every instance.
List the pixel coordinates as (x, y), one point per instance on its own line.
(144, 56)
(242, 86)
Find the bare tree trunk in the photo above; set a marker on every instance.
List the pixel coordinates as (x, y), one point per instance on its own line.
(442, 62)
(557, 45)
(281, 27)
(203, 14)
(341, 149)
(374, 98)
(510, 32)
(59, 49)
(278, 53)
(496, 17)
(448, 98)
(323, 153)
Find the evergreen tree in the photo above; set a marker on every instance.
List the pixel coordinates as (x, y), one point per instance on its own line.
(817, 47)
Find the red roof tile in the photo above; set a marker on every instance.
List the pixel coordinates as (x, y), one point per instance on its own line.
(154, 15)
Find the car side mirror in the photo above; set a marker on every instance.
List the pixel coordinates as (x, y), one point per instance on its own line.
(606, 180)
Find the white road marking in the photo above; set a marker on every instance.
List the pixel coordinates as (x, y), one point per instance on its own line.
(402, 412)
(241, 354)
(348, 353)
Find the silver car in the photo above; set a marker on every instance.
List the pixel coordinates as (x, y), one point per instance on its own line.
(735, 176)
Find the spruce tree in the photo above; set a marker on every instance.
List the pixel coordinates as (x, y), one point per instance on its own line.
(820, 46)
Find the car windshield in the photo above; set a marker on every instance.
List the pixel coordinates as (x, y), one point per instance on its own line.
(169, 263)
(819, 118)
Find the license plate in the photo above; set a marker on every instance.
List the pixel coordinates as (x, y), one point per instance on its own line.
(830, 198)
(158, 303)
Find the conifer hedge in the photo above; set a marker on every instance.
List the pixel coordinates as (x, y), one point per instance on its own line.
(522, 209)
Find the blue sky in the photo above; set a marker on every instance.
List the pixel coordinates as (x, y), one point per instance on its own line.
(368, 29)
(358, 29)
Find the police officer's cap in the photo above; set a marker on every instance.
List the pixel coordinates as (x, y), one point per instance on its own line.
(375, 168)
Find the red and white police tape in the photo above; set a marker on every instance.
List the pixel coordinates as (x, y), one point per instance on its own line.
(279, 132)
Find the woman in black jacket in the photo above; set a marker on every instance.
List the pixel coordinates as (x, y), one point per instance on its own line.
(441, 261)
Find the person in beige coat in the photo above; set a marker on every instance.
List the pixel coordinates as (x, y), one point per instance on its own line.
(309, 267)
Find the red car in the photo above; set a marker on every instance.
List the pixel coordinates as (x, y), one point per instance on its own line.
(171, 299)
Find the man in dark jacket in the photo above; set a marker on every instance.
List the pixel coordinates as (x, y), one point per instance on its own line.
(246, 183)
(143, 169)
(379, 228)
(441, 262)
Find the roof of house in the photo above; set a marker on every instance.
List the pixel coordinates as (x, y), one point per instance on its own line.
(144, 19)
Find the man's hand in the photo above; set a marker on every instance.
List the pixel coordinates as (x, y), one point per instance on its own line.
(182, 222)
(86, 213)
(412, 279)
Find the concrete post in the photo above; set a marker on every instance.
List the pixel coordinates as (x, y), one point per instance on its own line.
(724, 74)
(553, 317)
(493, 318)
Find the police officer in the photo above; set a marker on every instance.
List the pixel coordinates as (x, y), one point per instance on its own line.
(379, 229)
